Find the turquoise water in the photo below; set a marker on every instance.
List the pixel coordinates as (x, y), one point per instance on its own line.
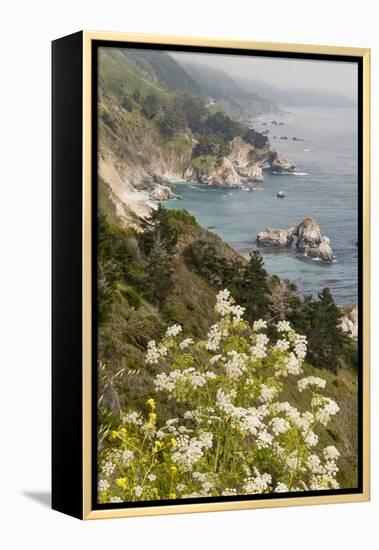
(326, 188)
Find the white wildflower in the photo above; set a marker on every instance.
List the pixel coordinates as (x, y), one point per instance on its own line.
(331, 453)
(259, 325)
(282, 345)
(311, 381)
(281, 488)
(173, 331)
(259, 349)
(185, 343)
(126, 457)
(213, 338)
(235, 366)
(132, 418)
(138, 490)
(103, 485)
(154, 353)
(258, 484)
(283, 326)
(267, 393)
(279, 425)
(115, 500)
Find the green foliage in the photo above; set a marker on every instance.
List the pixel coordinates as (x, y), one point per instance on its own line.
(107, 118)
(219, 123)
(173, 120)
(320, 320)
(127, 102)
(194, 110)
(158, 241)
(134, 299)
(255, 138)
(212, 145)
(151, 105)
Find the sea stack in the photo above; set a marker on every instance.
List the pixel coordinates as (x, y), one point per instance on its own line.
(275, 237)
(311, 242)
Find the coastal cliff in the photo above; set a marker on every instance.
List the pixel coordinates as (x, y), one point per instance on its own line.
(151, 134)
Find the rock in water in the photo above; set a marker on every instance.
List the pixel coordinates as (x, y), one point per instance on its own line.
(275, 237)
(280, 164)
(161, 193)
(311, 242)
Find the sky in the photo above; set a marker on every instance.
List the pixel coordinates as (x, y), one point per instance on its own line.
(327, 76)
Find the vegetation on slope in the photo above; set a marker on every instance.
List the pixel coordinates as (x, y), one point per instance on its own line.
(170, 274)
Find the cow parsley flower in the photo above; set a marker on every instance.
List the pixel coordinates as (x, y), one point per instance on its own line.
(185, 343)
(214, 338)
(311, 381)
(173, 331)
(235, 366)
(281, 488)
(103, 485)
(138, 490)
(259, 325)
(257, 484)
(331, 453)
(283, 326)
(267, 393)
(115, 500)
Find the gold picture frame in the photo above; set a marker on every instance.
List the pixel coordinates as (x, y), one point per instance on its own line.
(84, 466)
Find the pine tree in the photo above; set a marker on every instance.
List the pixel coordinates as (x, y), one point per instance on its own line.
(254, 292)
(320, 322)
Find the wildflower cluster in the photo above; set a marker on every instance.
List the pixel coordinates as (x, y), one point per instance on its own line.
(236, 435)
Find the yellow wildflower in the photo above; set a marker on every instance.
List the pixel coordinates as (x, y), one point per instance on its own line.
(173, 442)
(152, 417)
(114, 434)
(173, 470)
(122, 482)
(157, 446)
(172, 496)
(151, 403)
(149, 426)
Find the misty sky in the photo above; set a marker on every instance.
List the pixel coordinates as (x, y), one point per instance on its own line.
(329, 76)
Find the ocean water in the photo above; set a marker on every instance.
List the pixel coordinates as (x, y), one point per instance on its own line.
(325, 187)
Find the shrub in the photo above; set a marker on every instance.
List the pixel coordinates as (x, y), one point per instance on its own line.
(134, 299)
(232, 435)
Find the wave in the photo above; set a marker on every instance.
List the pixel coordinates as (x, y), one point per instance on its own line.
(286, 173)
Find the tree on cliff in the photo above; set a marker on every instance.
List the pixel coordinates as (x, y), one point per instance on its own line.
(254, 291)
(158, 241)
(320, 321)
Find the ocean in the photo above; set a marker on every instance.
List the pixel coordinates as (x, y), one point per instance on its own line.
(325, 186)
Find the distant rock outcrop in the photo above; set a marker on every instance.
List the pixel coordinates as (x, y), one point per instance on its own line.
(275, 237)
(311, 242)
(281, 164)
(162, 193)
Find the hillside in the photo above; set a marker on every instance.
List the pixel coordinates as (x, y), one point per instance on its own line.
(240, 101)
(170, 274)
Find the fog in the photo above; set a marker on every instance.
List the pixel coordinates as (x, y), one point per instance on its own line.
(335, 77)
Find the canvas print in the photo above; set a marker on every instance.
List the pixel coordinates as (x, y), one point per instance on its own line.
(227, 289)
